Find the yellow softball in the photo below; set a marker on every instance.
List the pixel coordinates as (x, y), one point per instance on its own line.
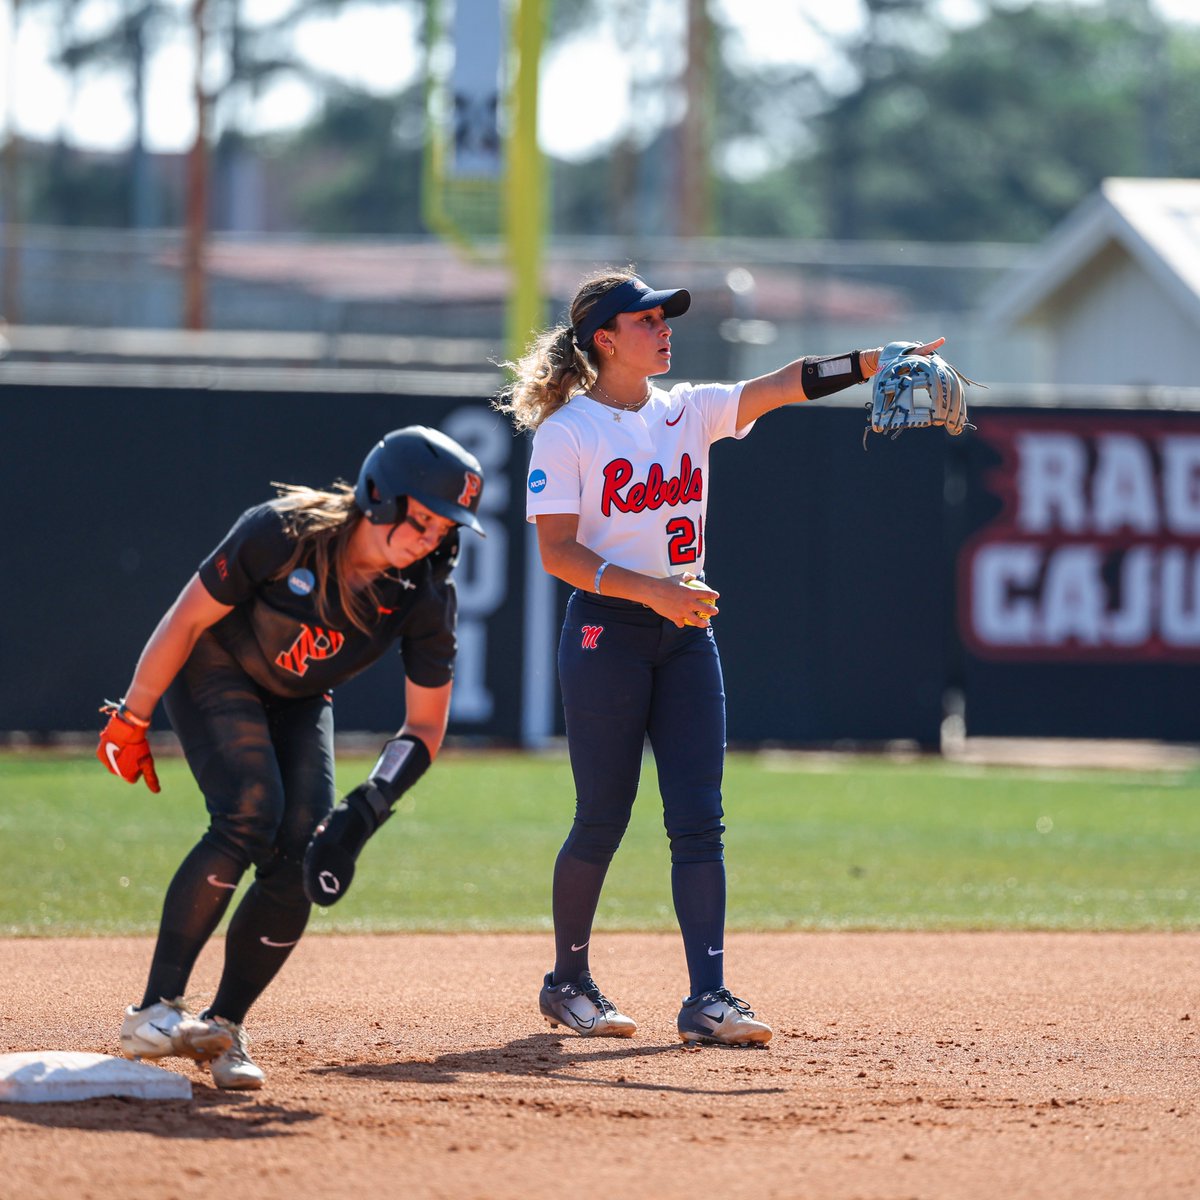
(696, 583)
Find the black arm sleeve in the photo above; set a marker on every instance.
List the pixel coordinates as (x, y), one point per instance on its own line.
(824, 376)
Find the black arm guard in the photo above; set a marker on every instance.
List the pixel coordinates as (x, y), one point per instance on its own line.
(824, 376)
(336, 843)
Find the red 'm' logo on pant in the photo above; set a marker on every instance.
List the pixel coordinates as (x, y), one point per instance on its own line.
(313, 643)
(591, 635)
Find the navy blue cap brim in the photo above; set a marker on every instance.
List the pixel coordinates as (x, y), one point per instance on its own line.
(632, 295)
(674, 302)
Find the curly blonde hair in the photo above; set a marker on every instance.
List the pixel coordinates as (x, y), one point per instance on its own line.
(554, 368)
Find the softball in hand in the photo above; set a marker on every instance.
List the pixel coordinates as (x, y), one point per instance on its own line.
(704, 600)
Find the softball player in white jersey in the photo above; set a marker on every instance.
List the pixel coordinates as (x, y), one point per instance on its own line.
(618, 487)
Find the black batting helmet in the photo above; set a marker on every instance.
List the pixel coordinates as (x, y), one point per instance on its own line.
(428, 466)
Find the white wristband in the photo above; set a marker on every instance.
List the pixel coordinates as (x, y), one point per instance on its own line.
(599, 573)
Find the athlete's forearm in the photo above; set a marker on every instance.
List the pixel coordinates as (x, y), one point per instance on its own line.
(427, 713)
(172, 641)
(573, 563)
(584, 569)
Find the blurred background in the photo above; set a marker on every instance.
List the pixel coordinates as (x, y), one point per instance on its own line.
(241, 239)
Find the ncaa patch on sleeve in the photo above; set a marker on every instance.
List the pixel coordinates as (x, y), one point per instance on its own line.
(537, 481)
(301, 581)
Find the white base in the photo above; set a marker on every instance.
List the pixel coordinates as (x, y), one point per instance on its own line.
(57, 1076)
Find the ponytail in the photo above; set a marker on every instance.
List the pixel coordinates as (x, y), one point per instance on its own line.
(554, 368)
(550, 372)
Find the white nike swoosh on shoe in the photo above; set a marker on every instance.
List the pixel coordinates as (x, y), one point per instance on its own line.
(221, 883)
(266, 941)
(112, 750)
(575, 947)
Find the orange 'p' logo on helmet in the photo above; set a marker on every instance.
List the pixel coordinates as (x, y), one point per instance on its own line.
(472, 484)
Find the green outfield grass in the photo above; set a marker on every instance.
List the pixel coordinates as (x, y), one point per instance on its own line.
(811, 844)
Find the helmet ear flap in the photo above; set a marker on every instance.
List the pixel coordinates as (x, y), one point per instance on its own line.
(381, 511)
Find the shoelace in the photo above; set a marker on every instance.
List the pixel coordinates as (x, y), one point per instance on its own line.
(240, 1050)
(588, 987)
(725, 996)
(241, 1039)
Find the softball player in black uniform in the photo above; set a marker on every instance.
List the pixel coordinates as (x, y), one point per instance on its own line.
(618, 488)
(303, 593)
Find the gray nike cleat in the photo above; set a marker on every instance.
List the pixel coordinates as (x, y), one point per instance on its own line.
(718, 1016)
(584, 1008)
(168, 1028)
(235, 1070)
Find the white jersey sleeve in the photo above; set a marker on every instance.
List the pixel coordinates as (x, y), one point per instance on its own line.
(554, 483)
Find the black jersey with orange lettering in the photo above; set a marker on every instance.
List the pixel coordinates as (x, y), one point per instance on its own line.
(276, 632)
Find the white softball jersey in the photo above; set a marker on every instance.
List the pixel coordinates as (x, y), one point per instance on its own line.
(637, 480)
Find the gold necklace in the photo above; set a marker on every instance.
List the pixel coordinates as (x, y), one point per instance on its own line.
(617, 404)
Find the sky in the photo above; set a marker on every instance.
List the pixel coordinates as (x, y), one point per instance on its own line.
(373, 45)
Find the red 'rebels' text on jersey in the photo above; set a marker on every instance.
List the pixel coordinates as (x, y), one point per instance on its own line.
(686, 486)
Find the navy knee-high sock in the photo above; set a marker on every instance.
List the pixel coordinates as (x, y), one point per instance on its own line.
(195, 902)
(698, 890)
(576, 892)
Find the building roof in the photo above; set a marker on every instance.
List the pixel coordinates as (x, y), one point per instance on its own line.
(1155, 221)
(434, 272)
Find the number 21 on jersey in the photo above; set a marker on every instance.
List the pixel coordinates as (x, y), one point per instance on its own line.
(685, 540)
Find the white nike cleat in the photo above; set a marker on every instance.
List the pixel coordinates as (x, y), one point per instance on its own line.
(168, 1028)
(718, 1016)
(584, 1008)
(235, 1070)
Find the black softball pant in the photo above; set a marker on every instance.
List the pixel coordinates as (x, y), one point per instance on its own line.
(265, 767)
(263, 762)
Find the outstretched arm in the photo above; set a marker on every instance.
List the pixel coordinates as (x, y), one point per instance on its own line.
(786, 386)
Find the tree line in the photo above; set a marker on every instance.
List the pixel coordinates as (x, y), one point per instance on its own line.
(913, 129)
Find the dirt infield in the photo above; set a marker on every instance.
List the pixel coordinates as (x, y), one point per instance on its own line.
(903, 1065)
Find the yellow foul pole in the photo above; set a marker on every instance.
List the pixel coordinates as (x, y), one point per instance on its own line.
(524, 178)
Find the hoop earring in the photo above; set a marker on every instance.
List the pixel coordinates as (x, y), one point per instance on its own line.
(611, 351)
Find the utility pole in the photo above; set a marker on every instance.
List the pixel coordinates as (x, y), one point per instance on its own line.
(10, 193)
(195, 314)
(695, 204)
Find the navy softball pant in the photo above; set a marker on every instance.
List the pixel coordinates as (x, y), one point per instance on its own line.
(626, 674)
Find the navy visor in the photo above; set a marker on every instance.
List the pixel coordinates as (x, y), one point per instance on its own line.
(631, 296)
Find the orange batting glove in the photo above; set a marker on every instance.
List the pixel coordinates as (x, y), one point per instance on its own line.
(123, 747)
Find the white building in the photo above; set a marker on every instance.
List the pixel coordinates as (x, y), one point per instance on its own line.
(1112, 297)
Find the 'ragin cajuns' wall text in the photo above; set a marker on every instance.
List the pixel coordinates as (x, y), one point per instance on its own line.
(1095, 553)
